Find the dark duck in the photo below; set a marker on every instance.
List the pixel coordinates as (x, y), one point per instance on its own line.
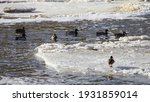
(111, 61)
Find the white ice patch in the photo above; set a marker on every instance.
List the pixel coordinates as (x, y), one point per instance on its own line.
(132, 56)
(134, 38)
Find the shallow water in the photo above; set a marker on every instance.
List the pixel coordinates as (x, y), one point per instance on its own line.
(18, 64)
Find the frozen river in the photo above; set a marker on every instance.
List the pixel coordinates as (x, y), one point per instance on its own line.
(73, 60)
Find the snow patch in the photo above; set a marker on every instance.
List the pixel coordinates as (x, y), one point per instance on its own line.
(128, 7)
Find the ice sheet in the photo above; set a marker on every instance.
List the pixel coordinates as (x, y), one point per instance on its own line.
(132, 56)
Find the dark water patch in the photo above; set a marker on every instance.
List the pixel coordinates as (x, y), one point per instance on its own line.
(126, 67)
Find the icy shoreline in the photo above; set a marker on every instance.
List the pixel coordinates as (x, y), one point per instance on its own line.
(62, 11)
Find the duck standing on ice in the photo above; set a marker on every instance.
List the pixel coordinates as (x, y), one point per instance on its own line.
(111, 61)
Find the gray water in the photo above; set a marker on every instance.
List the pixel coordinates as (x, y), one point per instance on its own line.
(19, 65)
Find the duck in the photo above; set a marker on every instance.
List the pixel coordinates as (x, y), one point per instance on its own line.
(22, 32)
(118, 35)
(54, 37)
(102, 33)
(111, 61)
(75, 32)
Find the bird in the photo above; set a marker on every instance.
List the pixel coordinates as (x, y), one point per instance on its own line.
(75, 32)
(118, 35)
(102, 33)
(109, 77)
(54, 37)
(21, 31)
(111, 61)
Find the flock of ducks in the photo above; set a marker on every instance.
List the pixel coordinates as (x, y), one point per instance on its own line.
(105, 33)
(74, 33)
(111, 60)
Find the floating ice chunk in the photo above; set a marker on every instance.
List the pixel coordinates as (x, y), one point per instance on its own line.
(89, 47)
(80, 44)
(145, 37)
(134, 38)
(82, 56)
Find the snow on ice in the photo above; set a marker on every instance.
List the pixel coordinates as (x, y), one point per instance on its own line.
(131, 55)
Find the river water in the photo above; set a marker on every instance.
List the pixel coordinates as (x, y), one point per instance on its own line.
(19, 65)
